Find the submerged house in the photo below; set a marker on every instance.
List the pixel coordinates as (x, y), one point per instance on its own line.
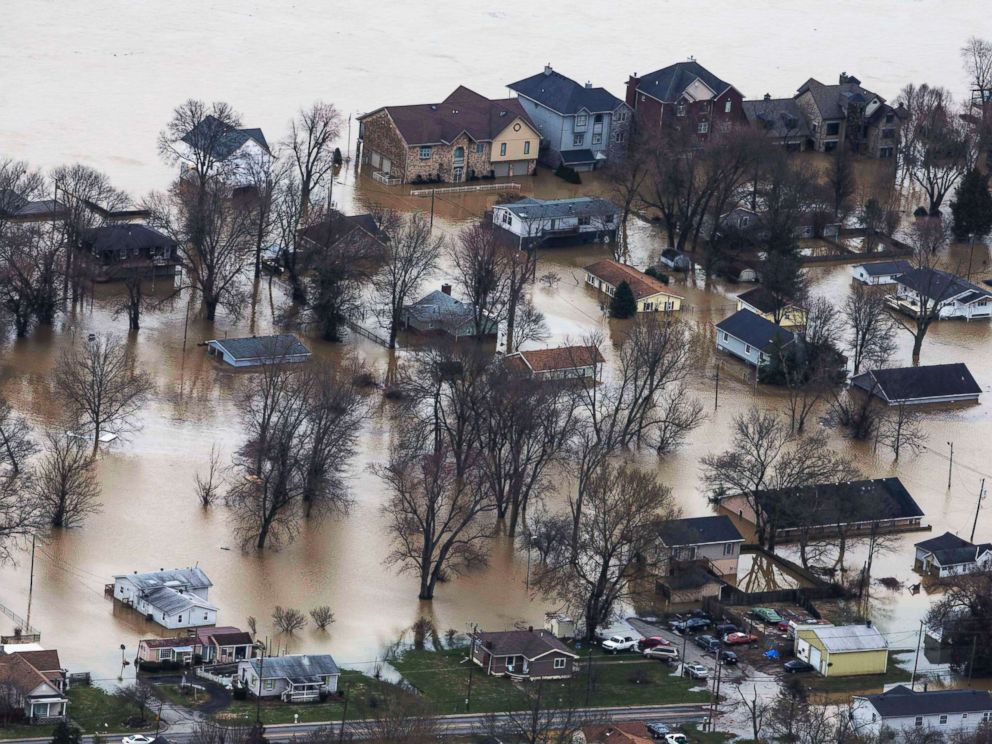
(15, 207)
(777, 309)
(926, 290)
(116, 252)
(439, 312)
(175, 598)
(563, 363)
(936, 383)
(283, 348)
(902, 710)
(539, 222)
(699, 556)
(233, 153)
(652, 295)
(950, 555)
(781, 119)
(881, 272)
(843, 650)
(34, 685)
(296, 678)
(523, 654)
(750, 337)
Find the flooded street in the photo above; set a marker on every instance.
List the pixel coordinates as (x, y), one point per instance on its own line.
(98, 92)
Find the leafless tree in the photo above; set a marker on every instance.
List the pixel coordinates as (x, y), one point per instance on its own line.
(137, 695)
(901, 428)
(617, 542)
(625, 181)
(412, 255)
(529, 326)
(194, 138)
(265, 177)
(10, 701)
(64, 482)
(21, 515)
(964, 613)
(483, 265)
(30, 272)
(322, 616)
(312, 134)
(757, 709)
(100, 386)
(16, 444)
(207, 732)
(840, 180)
(870, 328)
(977, 57)
(288, 620)
(550, 716)
(208, 486)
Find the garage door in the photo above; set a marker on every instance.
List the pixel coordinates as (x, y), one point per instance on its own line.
(814, 657)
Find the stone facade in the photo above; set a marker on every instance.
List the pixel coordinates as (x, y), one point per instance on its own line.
(381, 138)
(616, 149)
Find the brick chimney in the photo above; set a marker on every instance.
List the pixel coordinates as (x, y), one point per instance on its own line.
(547, 69)
(446, 288)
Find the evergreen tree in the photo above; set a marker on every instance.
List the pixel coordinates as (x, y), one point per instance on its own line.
(66, 733)
(623, 304)
(972, 207)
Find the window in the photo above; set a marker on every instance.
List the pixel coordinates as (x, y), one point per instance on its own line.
(480, 148)
(619, 137)
(560, 663)
(726, 336)
(581, 120)
(918, 722)
(180, 618)
(425, 153)
(164, 653)
(597, 139)
(204, 615)
(703, 127)
(620, 115)
(886, 152)
(987, 716)
(585, 220)
(727, 106)
(729, 548)
(943, 720)
(890, 117)
(527, 147)
(608, 219)
(269, 684)
(578, 140)
(648, 307)
(502, 149)
(889, 133)
(833, 128)
(747, 348)
(459, 153)
(680, 110)
(598, 119)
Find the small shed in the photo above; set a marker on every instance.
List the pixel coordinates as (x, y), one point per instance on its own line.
(257, 350)
(843, 650)
(881, 272)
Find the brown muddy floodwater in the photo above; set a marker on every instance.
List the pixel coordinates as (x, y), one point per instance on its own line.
(81, 88)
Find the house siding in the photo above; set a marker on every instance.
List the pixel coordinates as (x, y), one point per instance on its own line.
(381, 137)
(867, 720)
(733, 345)
(847, 664)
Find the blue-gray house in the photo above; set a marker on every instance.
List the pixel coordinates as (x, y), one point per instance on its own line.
(581, 126)
(750, 337)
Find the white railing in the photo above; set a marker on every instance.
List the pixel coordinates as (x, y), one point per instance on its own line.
(456, 189)
(386, 178)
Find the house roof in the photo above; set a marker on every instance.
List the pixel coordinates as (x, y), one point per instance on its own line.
(641, 284)
(886, 268)
(692, 577)
(581, 206)
(464, 110)
(177, 642)
(193, 578)
(117, 237)
(527, 643)
(832, 503)
(263, 347)
(778, 117)
(576, 157)
(845, 638)
(764, 300)
(13, 204)
(440, 305)
(232, 639)
(564, 357)
(330, 231)
(22, 675)
(668, 83)
(900, 702)
(939, 285)
(295, 666)
(699, 531)
(832, 100)
(617, 733)
(224, 140)
(754, 330)
(170, 602)
(46, 660)
(566, 96)
(947, 541)
(915, 383)
(958, 556)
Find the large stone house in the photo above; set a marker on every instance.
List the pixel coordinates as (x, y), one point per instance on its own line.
(581, 126)
(684, 95)
(465, 136)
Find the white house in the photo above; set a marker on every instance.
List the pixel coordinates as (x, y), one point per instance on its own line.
(34, 685)
(902, 710)
(253, 351)
(175, 598)
(237, 155)
(953, 296)
(751, 337)
(880, 272)
(297, 678)
(536, 221)
(950, 555)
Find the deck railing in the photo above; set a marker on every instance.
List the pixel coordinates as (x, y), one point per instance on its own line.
(463, 189)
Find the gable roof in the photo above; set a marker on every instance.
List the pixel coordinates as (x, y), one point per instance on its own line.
(580, 206)
(917, 383)
(239, 638)
(880, 500)
(940, 285)
(561, 94)
(959, 556)
(618, 733)
(263, 347)
(223, 139)
(22, 675)
(832, 100)
(193, 577)
(338, 226)
(755, 330)
(845, 638)
(699, 531)
(764, 300)
(641, 284)
(46, 660)
(441, 305)
(562, 358)
(900, 702)
(175, 642)
(947, 541)
(295, 666)
(124, 236)
(886, 268)
(527, 643)
(463, 110)
(778, 117)
(668, 83)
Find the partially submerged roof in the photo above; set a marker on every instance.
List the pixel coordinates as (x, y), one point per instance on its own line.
(901, 702)
(580, 206)
(668, 83)
(171, 602)
(886, 268)
(846, 638)
(295, 666)
(940, 285)
(778, 117)
(279, 346)
(764, 300)
(441, 305)
(124, 237)
(562, 358)
(192, 578)
(828, 504)
(699, 531)
(641, 284)
(947, 541)
(755, 330)
(564, 95)
(240, 638)
(527, 643)
(222, 139)
(907, 384)
(329, 231)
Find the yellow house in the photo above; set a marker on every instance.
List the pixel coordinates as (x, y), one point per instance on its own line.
(652, 296)
(514, 149)
(843, 650)
(764, 303)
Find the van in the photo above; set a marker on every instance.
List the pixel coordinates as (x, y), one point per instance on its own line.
(662, 653)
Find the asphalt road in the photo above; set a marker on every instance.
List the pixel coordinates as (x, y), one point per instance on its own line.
(730, 673)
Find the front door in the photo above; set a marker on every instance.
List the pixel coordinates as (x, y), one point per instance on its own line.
(458, 173)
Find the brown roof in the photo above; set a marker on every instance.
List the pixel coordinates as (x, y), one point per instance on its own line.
(462, 111)
(176, 642)
(565, 357)
(527, 643)
(618, 733)
(641, 284)
(232, 639)
(45, 661)
(18, 671)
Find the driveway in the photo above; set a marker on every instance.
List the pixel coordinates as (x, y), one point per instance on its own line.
(690, 652)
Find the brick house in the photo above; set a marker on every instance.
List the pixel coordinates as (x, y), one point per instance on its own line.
(465, 136)
(682, 95)
(525, 654)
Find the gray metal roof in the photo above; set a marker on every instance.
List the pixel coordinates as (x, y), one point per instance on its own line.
(940, 285)
(295, 666)
(582, 206)
(171, 602)
(263, 347)
(754, 330)
(842, 638)
(186, 578)
(886, 268)
(699, 531)
(566, 96)
(222, 139)
(917, 383)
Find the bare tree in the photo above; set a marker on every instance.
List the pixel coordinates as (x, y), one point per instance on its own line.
(31, 261)
(21, 515)
(64, 482)
(322, 616)
(964, 614)
(194, 137)
(840, 180)
(101, 387)
(207, 732)
(137, 695)
(412, 255)
(549, 717)
(902, 428)
(288, 620)
(483, 266)
(16, 445)
(312, 134)
(757, 709)
(208, 486)
(870, 328)
(977, 57)
(625, 181)
(398, 720)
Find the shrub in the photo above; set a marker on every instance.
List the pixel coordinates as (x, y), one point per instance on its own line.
(653, 271)
(623, 304)
(239, 692)
(567, 173)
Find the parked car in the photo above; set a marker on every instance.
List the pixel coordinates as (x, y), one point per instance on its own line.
(767, 615)
(739, 639)
(663, 653)
(689, 624)
(652, 642)
(728, 657)
(616, 644)
(658, 729)
(708, 643)
(723, 629)
(797, 666)
(137, 739)
(695, 670)
(676, 739)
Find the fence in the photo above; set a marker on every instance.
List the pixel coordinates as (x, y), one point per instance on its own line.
(462, 189)
(19, 621)
(371, 335)
(386, 178)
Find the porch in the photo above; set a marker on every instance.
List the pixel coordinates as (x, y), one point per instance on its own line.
(303, 690)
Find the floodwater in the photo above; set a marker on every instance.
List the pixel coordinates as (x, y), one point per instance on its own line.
(94, 83)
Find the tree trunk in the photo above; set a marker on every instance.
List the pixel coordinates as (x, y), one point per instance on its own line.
(917, 346)
(210, 308)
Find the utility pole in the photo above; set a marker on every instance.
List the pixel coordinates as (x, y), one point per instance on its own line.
(344, 717)
(471, 668)
(950, 465)
(716, 689)
(685, 640)
(716, 393)
(916, 664)
(588, 674)
(431, 229)
(981, 494)
(971, 661)
(27, 620)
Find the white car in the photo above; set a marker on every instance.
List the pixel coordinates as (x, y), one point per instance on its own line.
(137, 739)
(676, 739)
(618, 643)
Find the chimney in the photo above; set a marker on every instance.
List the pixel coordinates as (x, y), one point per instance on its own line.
(530, 628)
(768, 96)
(446, 288)
(547, 69)
(588, 83)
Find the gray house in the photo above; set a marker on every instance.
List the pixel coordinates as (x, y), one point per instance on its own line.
(935, 383)
(258, 350)
(714, 540)
(580, 126)
(902, 709)
(538, 222)
(781, 119)
(297, 678)
(439, 312)
(750, 337)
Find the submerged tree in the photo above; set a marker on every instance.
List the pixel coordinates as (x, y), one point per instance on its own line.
(64, 483)
(870, 328)
(311, 137)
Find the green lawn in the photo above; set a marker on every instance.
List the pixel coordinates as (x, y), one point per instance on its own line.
(90, 708)
(173, 694)
(24, 732)
(706, 737)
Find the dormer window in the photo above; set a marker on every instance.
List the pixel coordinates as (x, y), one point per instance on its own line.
(580, 120)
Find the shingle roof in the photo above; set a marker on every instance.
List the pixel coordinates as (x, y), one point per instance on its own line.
(295, 666)
(464, 110)
(178, 642)
(116, 237)
(957, 556)
(915, 383)
(826, 504)
(441, 305)
(263, 347)
(21, 674)
(330, 231)
(13, 204)
(841, 638)
(641, 284)
(223, 139)
(754, 330)
(900, 702)
(232, 639)
(831, 99)
(779, 117)
(564, 95)
(527, 643)
(581, 206)
(885, 268)
(939, 285)
(763, 299)
(947, 541)
(699, 531)
(668, 83)
(46, 660)
(565, 357)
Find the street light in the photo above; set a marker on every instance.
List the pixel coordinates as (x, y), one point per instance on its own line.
(120, 677)
(950, 465)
